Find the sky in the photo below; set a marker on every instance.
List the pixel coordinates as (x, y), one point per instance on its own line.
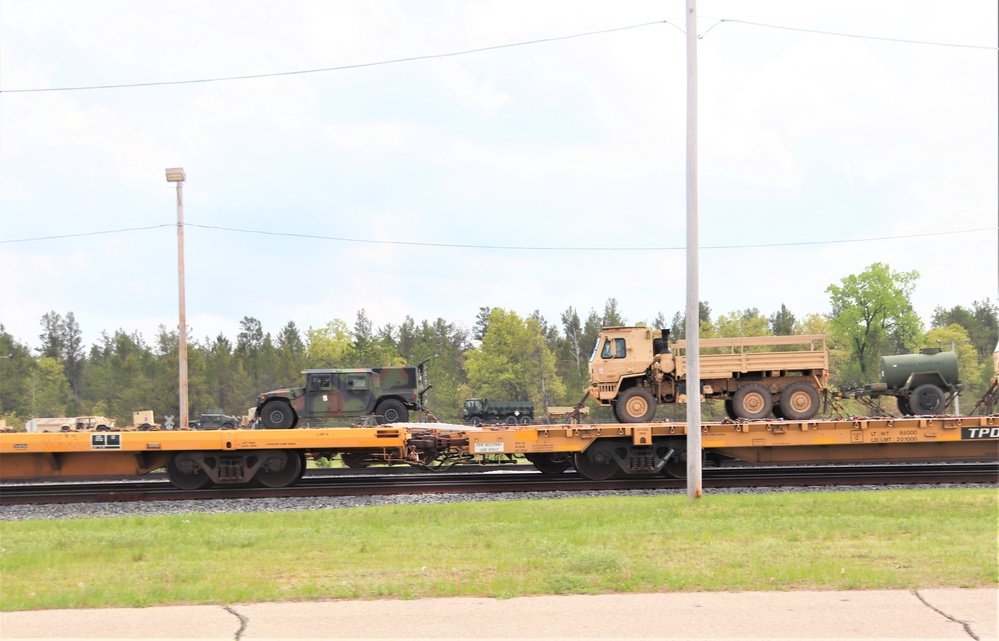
(532, 177)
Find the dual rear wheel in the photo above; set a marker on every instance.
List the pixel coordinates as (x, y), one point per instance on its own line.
(797, 402)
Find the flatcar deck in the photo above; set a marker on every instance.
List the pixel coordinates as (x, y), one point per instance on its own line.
(277, 457)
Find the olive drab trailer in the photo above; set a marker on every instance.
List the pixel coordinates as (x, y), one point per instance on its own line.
(634, 369)
(922, 384)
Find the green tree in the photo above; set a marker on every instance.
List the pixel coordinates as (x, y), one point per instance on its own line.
(62, 339)
(330, 346)
(225, 380)
(482, 322)
(16, 364)
(248, 353)
(981, 322)
(748, 322)
(513, 362)
(678, 327)
(442, 345)
(290, 357)
(612, 314)
(371, 348)
(573, 355)
(782, 322)
(48, 388)
(974, 373)
(51, 336)
(872, 315)
(121, 377)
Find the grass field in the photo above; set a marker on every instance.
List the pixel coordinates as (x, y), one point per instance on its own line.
(901, 539)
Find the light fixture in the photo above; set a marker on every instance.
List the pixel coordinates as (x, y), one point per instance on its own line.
(176, 175)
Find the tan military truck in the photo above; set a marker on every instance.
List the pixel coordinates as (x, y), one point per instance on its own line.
(633, 369)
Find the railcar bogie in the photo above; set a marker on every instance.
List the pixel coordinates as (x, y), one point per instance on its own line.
(194, 470)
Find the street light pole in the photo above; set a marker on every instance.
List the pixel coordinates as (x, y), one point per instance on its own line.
(176, 175)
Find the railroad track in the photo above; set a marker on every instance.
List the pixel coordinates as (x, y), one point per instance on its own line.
(387, 481)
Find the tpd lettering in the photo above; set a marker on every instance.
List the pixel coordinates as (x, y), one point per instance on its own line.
(969, 433)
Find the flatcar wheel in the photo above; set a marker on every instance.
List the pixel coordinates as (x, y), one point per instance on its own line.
(596, 466)
(276, 472)
(676, 467)
(184, 474)
(551, 463)
(303, 462)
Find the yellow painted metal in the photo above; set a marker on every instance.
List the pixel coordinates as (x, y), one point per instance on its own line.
(71, 454)
(41, 455)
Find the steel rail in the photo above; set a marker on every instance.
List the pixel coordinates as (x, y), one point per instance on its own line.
(384, 482)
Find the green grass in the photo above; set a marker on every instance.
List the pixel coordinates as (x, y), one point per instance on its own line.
(839, 540)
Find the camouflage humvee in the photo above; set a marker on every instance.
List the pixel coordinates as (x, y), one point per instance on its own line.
(215, 420)
(388, 393)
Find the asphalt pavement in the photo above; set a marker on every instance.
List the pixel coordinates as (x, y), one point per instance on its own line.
(969, 614)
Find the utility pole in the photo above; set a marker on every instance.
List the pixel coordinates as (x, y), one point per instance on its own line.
(177, 176)
(694, 489)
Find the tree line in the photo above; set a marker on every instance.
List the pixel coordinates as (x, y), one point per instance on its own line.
(504, 356)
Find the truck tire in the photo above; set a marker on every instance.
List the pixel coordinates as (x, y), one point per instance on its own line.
(799, 402)
(903, 405)
(391, 411)
(277, 415)
(927, 399)
(752, 401)
(635, 405)
(511, 420)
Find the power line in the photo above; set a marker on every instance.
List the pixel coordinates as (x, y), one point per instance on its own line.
(846, 35)
(492, 48)
(361, 65)
(82, 234)
(506, 247)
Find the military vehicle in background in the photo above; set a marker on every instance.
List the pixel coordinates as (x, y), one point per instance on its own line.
(480, 410)
(566, 414)
(70, 424)
(142, 420)
(215, 420)
(922, 384)
(387, 393)
(633, 369)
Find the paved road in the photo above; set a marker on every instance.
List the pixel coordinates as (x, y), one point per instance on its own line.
(879, 614)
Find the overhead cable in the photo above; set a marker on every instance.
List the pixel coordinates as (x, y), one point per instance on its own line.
(344, 239)
(492, 48)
